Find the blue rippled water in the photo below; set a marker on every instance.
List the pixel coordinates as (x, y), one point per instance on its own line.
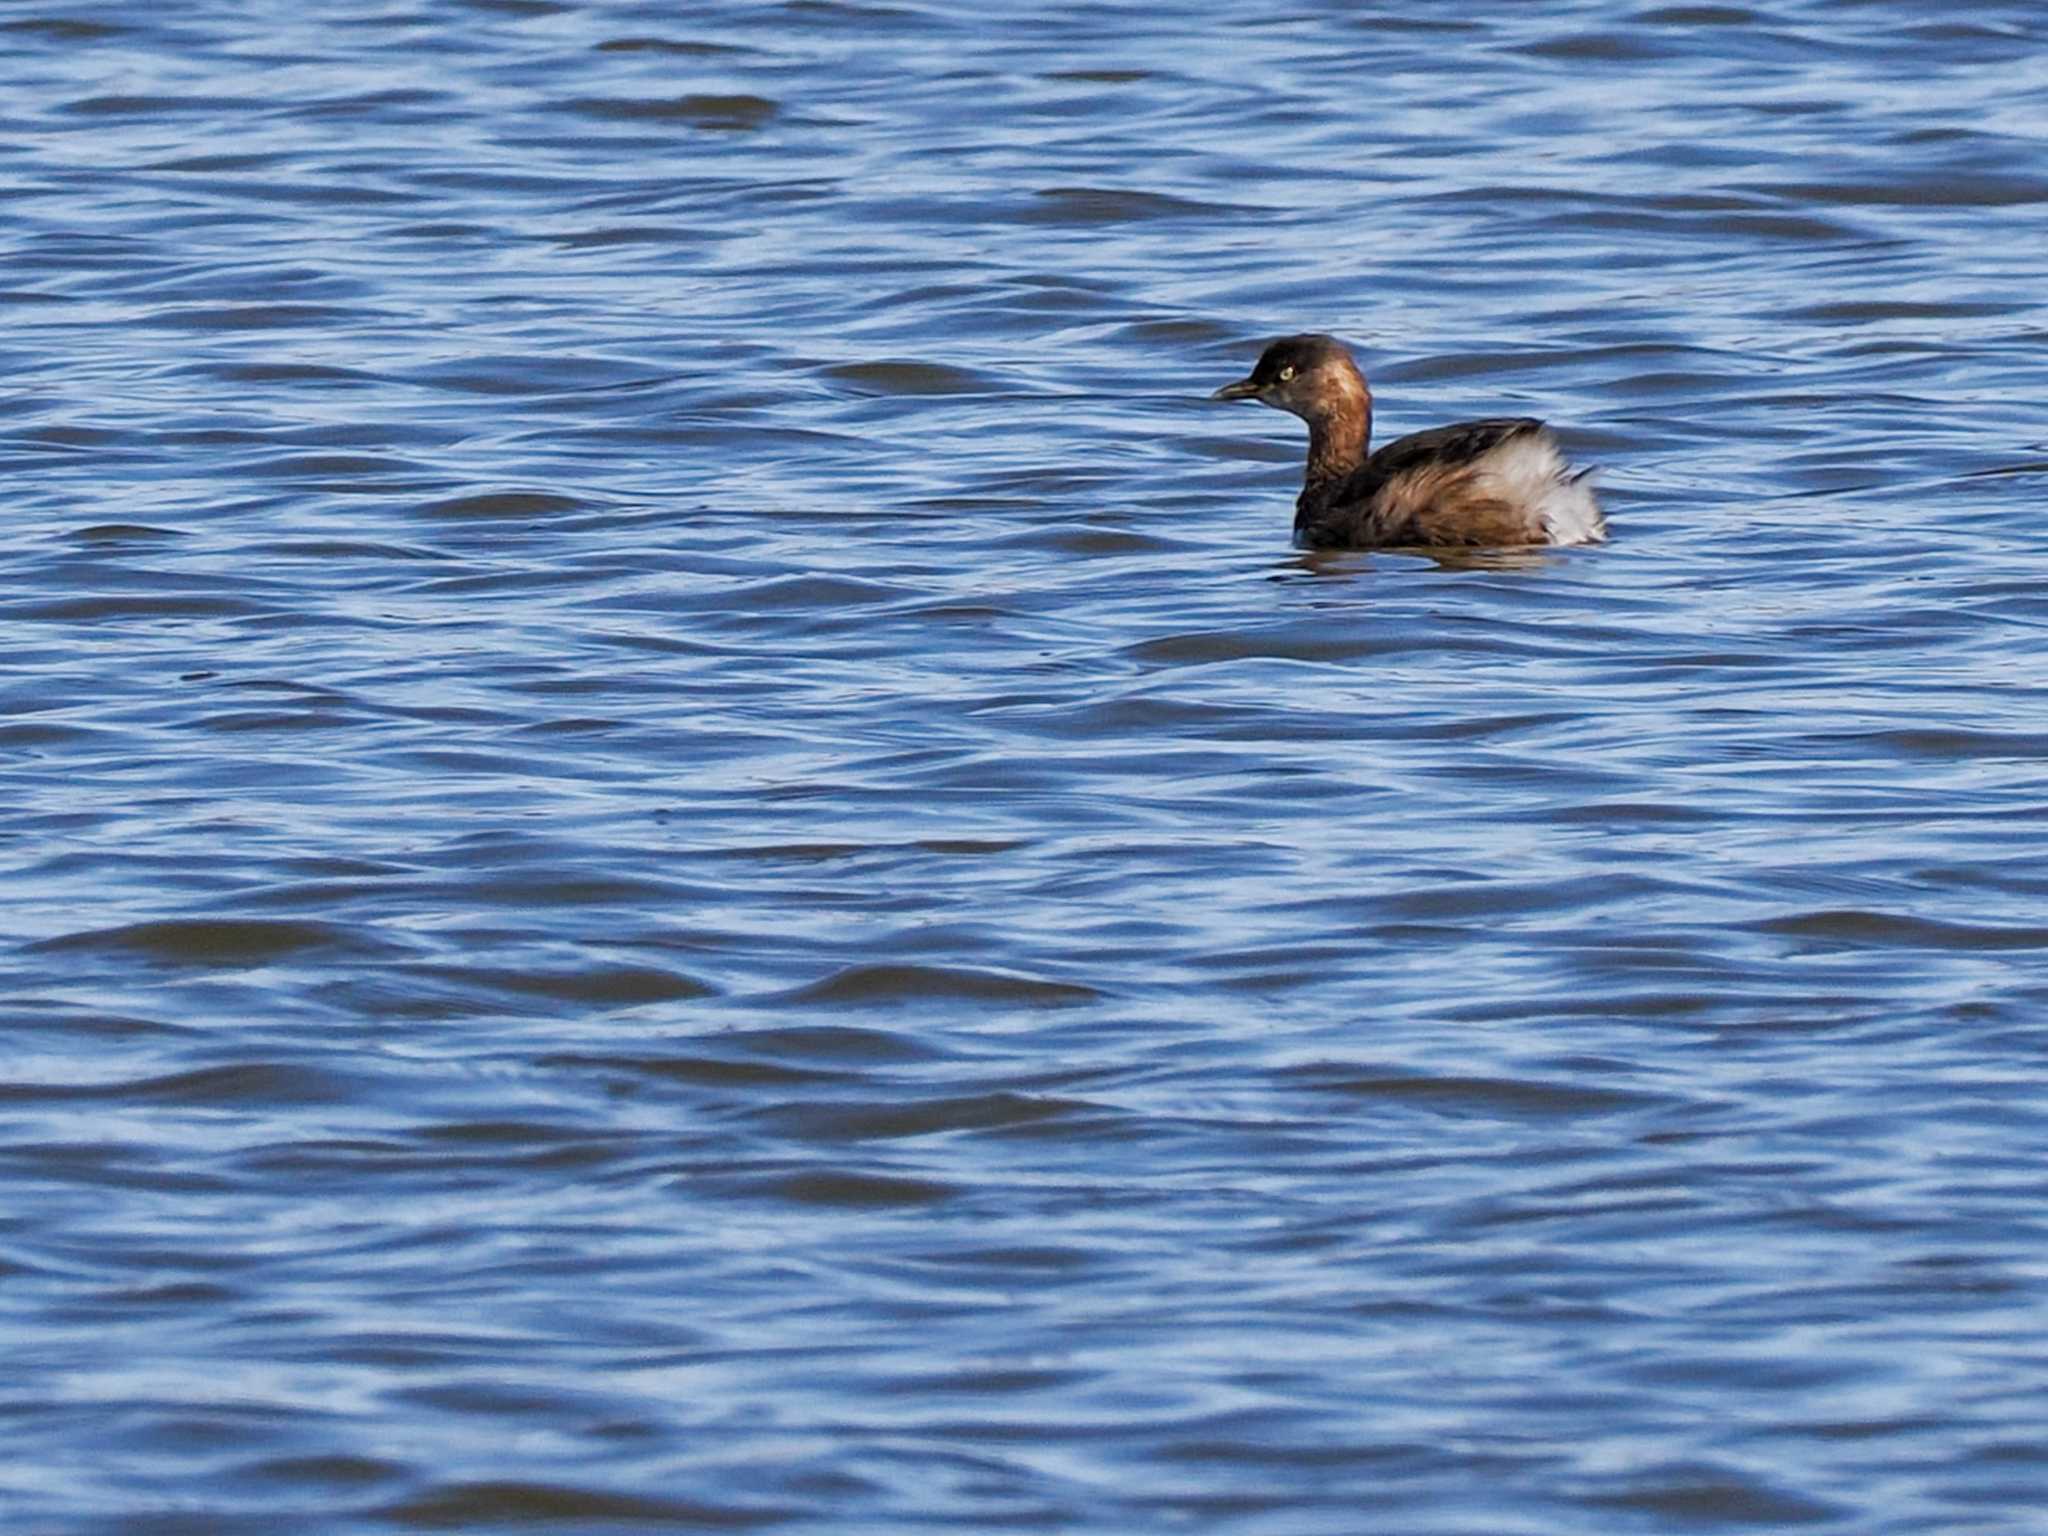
(682, 850)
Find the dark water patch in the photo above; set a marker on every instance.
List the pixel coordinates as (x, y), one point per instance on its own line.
(1318, 645)
(1046, 1262)
(171, 1297)
(225, 942)
(344, 467)
(123, 533)
(911, 377)
(798, 853)
(103, 1165)
(841, 1044)
(1706, 1496)
(848, 1190)
(985, 1383)
(1621, 815)
(528, 374)
(1798, 227)
(65, 29)
(682, 47)
(838, 1120)
(343, 552)
(700, 1071)
(520, 1505)
(573, 726)
(1600, 47)
(1949, 743)
(47, 735)
(834, 594)
(215, 164)
(1862, 311)
(1950, 190)
(538, 889)
(1513, 1098)
(288, 373)
(499, 1400)
(518, 1134)
(1698, 16)
(599, 986)
(505, 505)
(1463, 365)
(246, 1083)
(325, 1157)
(2031, 467)
(452, 1158)
(86, 610)
(118, 105)
(240, 721)
(50, 1013)
(1089, 206)
(73, 435)
(323, 1474)
(635, 234)
(442, 233)
(1854, 929)
(738, 113)
(1803, 228)
(897, 985)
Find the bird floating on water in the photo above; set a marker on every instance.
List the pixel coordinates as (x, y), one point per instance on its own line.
(1493, 483)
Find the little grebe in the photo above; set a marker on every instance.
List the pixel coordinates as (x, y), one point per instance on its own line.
(1496, 482)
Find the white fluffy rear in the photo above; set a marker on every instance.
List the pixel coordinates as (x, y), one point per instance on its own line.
(1530, 472)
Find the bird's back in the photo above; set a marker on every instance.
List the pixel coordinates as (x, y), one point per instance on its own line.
(1501, 481)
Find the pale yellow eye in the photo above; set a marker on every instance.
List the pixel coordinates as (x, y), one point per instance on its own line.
(1286, 373)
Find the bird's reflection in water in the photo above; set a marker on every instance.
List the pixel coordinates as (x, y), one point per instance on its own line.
(1312, 563)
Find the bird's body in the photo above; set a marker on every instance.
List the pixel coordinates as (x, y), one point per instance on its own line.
(1498, 482)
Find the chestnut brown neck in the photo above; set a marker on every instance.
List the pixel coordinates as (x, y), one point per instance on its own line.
(1340, 430)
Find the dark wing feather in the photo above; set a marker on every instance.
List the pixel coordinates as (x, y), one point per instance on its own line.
(1459, 443)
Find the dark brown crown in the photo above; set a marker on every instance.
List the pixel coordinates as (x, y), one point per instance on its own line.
(1302, 354)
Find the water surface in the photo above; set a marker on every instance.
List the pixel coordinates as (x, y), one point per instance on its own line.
(683, 851)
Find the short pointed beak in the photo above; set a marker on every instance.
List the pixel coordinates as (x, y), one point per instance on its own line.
(1243, 389)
